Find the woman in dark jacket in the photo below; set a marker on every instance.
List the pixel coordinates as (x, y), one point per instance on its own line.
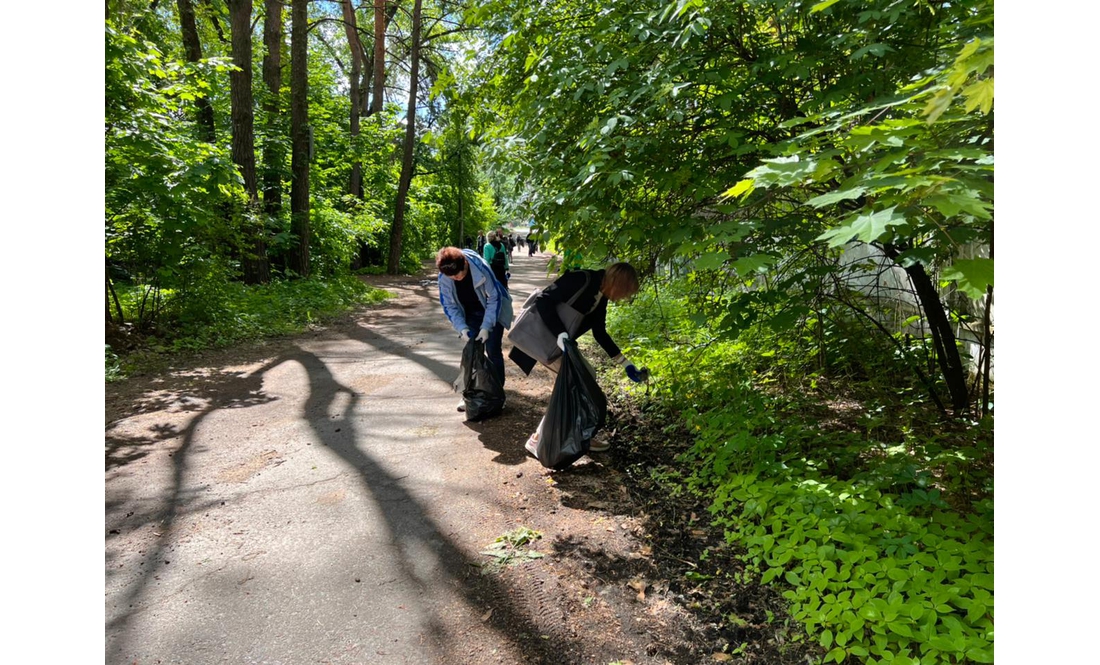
(596, 287)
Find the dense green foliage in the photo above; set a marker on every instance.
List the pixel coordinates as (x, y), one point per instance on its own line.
(179, 225)
(752, 141)
(837, 481)
(229, 312)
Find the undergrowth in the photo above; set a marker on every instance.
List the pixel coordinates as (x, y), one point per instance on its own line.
(839, 481)
(223, 314)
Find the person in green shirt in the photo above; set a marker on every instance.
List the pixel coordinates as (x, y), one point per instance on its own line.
(496, 255)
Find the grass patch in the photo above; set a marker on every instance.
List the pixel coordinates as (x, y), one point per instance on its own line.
(222, 315)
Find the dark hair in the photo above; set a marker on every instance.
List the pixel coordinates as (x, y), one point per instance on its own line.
(450, 261)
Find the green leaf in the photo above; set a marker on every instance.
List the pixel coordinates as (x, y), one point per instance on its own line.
(866, 227)
(822, 6)
(747, 265)
(711, 260)
(836, 655)
(827, 639)
(979, 95)
(942, 642)
(971, 275)
(743, 187)
(787, 171)
(950, 204)
(877, 50)
(980, 655)
(937, 105)
(833, 197)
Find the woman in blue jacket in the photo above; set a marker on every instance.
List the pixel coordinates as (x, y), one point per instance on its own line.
(473, 299)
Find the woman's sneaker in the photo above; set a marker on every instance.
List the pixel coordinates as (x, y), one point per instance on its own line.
(462, 404)
(532, 444)
(599, 444)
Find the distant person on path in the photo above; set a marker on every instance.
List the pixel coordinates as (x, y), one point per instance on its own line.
(496, 255)
(532, 244)
(618, 282)
(480, 243)
(474, 300)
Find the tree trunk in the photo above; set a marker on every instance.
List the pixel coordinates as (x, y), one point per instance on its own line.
(461, 221)
(298, 261)
(273, 79)
(212, 12)
(254, 262)
(943, 336)
(379, 59)
(398, 229)
(355, 184)
(374, 74)
(193, 50)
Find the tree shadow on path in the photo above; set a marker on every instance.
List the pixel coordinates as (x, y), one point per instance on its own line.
(411, 528)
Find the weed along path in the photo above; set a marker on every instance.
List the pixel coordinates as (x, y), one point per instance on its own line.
(318, 499)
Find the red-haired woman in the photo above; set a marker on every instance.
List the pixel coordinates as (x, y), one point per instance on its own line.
(473, 299)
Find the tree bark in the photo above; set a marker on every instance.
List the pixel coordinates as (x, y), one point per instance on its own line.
(355, 182)
(379, 59)
(398, 229)
(273, 79)
(213, 14)
(943, 336)
(298, 261)
(193, 50)
(254, 261)
(374, 74)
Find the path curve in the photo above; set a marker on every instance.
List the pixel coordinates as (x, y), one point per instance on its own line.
(321, 501)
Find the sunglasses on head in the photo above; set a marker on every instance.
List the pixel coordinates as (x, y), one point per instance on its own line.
(451, 268)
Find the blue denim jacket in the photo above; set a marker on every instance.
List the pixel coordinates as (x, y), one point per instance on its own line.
(494, 298)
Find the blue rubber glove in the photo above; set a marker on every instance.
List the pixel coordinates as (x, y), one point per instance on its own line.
(633, 373)
(636, 375)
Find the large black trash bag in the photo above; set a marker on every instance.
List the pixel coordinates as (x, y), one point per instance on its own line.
(577, 410)
(479, 384)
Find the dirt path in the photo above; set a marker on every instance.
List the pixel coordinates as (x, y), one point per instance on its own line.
(319, 500)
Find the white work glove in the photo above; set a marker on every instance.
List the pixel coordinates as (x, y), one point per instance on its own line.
(483, 335)
(561, 340)
(464, 335)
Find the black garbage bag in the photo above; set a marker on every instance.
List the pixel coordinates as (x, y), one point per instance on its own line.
(479, 384)
(577, 410)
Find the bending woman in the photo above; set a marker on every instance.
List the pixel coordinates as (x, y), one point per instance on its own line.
(618, 282)
(473, 299)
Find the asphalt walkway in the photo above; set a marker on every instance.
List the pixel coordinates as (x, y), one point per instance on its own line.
(321, 504)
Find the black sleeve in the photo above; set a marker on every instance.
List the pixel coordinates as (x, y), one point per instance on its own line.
(599, 331)
(563, 288)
